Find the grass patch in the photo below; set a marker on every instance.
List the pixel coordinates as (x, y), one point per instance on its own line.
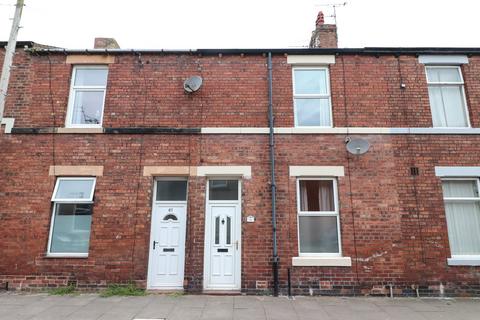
(122, 290)
(70, 289)
(176, 294)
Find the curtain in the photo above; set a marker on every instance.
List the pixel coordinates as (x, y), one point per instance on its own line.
(316, 195)
(303, 196)
(325, 195)
(325, 112)
(460, 189)
(447, 105)
(463, 220)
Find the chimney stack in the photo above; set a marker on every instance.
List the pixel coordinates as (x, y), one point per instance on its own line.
(105, 43)
(324, 35)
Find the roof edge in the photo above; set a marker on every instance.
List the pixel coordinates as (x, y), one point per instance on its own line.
(28, 45)
(299, 51)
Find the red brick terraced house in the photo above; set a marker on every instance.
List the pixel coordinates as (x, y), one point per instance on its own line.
(324, 170)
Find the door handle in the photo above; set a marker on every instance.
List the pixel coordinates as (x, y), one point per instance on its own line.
(154, 243)
(236, 244)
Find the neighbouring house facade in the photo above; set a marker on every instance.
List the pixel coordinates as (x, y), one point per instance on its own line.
(113, 172)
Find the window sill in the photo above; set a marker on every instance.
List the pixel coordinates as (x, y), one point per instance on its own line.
(67, 255)
(470, 261)
(321, 262)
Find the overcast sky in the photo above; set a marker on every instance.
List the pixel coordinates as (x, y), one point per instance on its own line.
(190, 24)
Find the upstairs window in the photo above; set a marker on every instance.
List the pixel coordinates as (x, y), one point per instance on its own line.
(462, 208)
(447, 96)
(72, 216)
(311, 96)
(318, 218)
(87, 96)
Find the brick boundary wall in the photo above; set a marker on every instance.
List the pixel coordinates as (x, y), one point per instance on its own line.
(316, 288)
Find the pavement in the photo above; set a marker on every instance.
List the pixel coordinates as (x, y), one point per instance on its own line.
(185, 307)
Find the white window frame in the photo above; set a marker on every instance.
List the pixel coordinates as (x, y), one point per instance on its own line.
(74, 89)
(312, 96)
(239, 193)
(335, 213)
(56, 202)
(76, 200)
(453, 84)
(462, 199)
(168, 178)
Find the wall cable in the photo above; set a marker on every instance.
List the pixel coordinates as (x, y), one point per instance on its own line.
(50, 94)
(140, 160)
(412, 164)
(352, 210)
(190, 227)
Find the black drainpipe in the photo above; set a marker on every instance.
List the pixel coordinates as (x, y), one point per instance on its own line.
(272, 169)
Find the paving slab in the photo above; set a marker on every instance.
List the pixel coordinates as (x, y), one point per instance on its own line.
(157, 308)
(55, 312)
(397, 312)
(23, 306)
(247, 302)
(281, 308)
(185, 313)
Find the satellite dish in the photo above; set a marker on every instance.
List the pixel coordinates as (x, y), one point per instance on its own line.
(192, 84)
(357, 146)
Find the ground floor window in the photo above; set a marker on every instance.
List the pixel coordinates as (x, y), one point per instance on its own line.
(72, 216)
(462, 209)
(318, 217)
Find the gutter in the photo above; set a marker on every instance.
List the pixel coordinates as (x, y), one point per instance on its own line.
(273, 185)
(296, 51)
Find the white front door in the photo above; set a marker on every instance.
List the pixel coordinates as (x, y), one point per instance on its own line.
(167, 239)
(223, 236)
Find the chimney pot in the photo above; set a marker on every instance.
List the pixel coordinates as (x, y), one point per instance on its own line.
(320, 19)
(106, 43)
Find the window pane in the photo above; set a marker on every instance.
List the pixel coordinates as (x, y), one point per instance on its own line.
(463, 221)
(310, 81)
(316, 195)
(460, 189)
(313, 112)
(91, 77)
(170, 217)
(217, 230)
(436, 103)
(229, 231)
(174, 190)
(443, 75)
(318, 234)
(454, 106)
(87, 107)
(71, 228)
(448, 107)
(223, 190)
(74, 189)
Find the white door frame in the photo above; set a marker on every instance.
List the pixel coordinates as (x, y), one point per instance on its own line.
(238, 235)
(165, 203)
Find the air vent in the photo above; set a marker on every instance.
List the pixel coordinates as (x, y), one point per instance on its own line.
(414, 171)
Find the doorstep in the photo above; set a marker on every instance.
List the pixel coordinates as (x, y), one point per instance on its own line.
(164, 291)
(222, 292)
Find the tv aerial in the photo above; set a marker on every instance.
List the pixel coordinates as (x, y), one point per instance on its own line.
(192, 84)
(334, 6)
(357, 146)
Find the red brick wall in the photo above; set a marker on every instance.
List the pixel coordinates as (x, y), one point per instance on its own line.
(365, 91)
(393, 225)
